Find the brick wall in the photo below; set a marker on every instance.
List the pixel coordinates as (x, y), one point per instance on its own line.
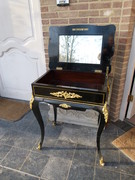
(99, 12)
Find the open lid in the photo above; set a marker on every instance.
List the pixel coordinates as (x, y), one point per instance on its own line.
(81, 47)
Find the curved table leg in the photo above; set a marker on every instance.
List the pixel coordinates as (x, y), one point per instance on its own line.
(36, 111)
(100, 129)
(55, 115)
(99, 117)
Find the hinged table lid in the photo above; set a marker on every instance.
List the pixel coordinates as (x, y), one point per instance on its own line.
(81, 47)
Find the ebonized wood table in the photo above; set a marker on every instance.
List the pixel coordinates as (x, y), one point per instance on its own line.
(72, 84)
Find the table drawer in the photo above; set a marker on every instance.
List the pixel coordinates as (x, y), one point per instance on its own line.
(70, 95)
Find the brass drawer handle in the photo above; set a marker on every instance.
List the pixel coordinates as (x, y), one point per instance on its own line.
(65, 106)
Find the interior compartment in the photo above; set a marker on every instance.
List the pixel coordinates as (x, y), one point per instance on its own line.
(73, 79)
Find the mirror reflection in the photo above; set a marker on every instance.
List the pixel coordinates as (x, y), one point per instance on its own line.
(80, 48)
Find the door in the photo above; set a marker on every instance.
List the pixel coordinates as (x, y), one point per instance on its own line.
(22, 58)
(128, 82)
(131, 105)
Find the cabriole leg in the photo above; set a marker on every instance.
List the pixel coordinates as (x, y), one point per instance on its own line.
(55, 115)
(100, 129)
(36, 111)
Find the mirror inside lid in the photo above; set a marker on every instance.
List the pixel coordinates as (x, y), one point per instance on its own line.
(81, 47)
(75, 49)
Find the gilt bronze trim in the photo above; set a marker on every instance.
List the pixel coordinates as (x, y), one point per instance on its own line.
(80, 29)
(66, 106)
(31, 101)
(105, 112)
(108, 86)
(66, 95)
(107, 71)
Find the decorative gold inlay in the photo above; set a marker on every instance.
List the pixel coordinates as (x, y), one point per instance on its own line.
(80, 29)
(59, 68)
(31, 101)
(105, 111)
(101, 161)
(98, 71)
(65, 106)
(66, 95)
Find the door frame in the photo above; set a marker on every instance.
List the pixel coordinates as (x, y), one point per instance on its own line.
(128, 82)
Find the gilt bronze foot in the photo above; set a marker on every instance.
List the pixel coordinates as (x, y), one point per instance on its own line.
(101, 161)
(54, 123)
(39, 146)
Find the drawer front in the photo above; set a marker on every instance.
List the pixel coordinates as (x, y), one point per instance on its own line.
(70, 95)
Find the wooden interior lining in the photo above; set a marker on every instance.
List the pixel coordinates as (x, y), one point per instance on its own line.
(72, 78)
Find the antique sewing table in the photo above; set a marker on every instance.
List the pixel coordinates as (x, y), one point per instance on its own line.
(78, 78)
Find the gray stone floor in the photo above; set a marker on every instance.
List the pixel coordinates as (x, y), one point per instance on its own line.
(69, 152)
